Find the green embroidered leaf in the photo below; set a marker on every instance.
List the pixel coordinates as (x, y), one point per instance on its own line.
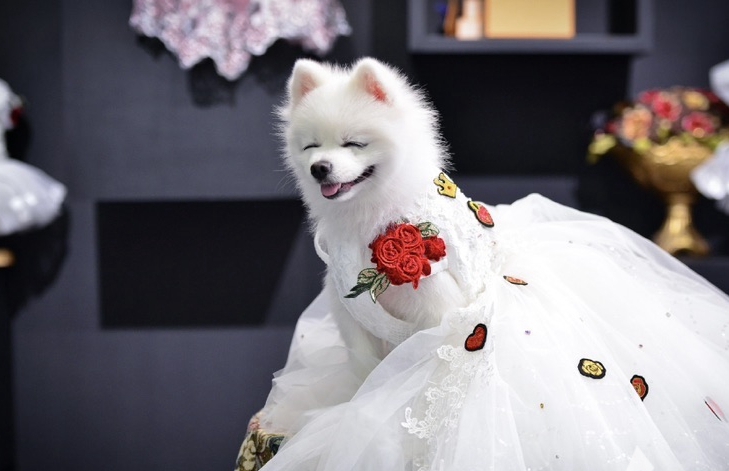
(365, 280)
(379, 285)
(367, 276)
(428, 229)
(357, 290)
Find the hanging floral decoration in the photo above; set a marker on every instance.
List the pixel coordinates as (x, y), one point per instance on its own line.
(230, 32)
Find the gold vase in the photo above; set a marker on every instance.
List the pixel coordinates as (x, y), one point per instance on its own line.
(666, 169)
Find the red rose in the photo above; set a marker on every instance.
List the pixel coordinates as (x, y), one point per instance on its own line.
(698, 123)
(409, 235)
(403, 255)
(386, 252)
(648, 96)
(410, 269)
(666, 106)
(434, 248)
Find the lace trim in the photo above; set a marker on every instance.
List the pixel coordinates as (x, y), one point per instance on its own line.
(446, 399)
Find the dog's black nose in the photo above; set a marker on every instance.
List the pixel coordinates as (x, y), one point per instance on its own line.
(320, 170)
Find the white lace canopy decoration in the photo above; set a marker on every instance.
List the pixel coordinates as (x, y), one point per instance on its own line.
(231, 31)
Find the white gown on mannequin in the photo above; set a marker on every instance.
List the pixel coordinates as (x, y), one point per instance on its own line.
(28, 196)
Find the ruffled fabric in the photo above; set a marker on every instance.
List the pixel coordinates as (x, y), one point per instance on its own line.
(231, 31)
(585, 346)
(28, 197)
(712, 178)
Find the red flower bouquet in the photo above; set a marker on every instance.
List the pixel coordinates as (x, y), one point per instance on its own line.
(690, 115)
(660, 140)
(401, 255)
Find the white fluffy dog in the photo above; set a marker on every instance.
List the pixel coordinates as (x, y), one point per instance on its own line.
(364, 147)
(452, 335)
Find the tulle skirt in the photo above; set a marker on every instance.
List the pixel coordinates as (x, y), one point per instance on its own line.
(589, 349)
(28, 197)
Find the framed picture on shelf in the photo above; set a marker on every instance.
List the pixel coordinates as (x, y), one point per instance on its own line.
(530, 19)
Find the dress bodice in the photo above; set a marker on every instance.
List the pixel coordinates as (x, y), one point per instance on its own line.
(454, 282)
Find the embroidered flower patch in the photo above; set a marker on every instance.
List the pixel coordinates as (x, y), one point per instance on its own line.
(258, 448)
(445, 185)
(515, 281)
(477, 339)
(482, 214)
(401, 255)
(591, 368)
(640, 386)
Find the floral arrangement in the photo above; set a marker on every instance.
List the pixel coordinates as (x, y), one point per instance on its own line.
(401, 255)
(690, 116)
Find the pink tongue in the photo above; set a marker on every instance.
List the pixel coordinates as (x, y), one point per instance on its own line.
(330, 190)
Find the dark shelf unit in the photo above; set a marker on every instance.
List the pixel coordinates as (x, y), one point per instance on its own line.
(636, 38)
(615, 27)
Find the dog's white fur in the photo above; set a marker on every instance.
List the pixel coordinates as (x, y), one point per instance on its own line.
(372, 105)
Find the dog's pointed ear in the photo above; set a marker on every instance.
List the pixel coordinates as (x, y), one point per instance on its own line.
(307, 76)
(370, 76)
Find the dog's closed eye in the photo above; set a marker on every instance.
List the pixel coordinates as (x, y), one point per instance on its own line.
(311, 146)
(358, 145)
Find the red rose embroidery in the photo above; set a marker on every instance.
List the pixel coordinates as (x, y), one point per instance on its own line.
(410, 269)
(386, 252)
(410, 236)
(640, 386)
(434, 248)
(401, 255)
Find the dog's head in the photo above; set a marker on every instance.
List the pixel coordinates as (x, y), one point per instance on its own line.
(351, 133)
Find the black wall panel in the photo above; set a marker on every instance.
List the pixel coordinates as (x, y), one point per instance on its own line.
(192, 263)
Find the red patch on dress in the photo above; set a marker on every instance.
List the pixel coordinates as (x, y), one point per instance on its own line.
(482, 214)
(477, 339)
(640, 386)
(515, 281)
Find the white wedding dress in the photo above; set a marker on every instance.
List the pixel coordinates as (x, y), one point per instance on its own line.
(29, 198)
(582, 346)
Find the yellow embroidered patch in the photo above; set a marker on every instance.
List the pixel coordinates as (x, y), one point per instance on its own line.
(445, 185)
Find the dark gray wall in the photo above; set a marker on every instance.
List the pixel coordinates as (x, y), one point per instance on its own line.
(116, 119)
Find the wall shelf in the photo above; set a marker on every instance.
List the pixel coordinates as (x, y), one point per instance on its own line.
(637, 38)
